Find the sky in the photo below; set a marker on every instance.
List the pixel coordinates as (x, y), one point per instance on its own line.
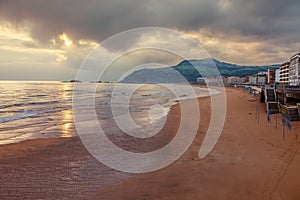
(49, 40)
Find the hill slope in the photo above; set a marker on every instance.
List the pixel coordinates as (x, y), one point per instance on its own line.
(191, 70)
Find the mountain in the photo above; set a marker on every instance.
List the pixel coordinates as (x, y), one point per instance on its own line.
(190, 70)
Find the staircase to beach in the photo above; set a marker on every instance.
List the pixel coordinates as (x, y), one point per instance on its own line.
(272, 106)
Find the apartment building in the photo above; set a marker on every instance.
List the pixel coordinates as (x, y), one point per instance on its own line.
(273, 76)
(294, 70)
(284, 73)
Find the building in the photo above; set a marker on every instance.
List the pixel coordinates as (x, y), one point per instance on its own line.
(262, 78)
(246, 79)
(294, 71)
(284, 73)
(252, 80)
(277, 75)
(234, 80)
(201, 81)
(271, 76)
(218, 80)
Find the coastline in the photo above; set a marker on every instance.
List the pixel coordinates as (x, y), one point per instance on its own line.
(246, 163)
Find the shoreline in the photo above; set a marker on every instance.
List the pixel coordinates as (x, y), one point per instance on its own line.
(242, 165)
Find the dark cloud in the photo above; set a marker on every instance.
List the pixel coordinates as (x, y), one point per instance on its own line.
(98, 20)
(264, 19)
(274, 22)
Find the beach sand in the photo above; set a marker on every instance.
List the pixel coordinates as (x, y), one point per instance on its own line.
(250, 161)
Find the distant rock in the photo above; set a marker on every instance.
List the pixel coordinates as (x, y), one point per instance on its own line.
(72, 81)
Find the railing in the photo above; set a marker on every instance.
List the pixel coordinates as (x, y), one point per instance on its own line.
(288, 88)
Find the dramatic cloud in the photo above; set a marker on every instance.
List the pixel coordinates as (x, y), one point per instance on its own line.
(98, 20)
(240, 31)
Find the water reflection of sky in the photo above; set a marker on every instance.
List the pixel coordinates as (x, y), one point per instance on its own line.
(31, 110)
(67, 119)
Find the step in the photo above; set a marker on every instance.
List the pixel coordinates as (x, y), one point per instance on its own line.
(292, 111)
(272, 107)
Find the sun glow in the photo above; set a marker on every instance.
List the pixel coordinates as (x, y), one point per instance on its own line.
(11, 33)
(66, 39)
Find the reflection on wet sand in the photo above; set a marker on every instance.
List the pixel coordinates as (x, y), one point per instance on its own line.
(67, 126)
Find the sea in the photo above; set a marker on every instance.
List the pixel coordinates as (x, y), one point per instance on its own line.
(30, 110)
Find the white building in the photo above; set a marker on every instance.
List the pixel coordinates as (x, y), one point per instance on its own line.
(277, 75)
(252, 80)
(234, 80)
(294, 70)
(261, 80)
(210, 80)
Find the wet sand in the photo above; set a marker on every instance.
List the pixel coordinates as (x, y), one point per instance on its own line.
(250, 161)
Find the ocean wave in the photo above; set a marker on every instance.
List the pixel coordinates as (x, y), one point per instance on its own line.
(16, 117)
(38, 95)
(32, 103)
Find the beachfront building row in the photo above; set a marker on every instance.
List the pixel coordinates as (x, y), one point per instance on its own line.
(288, 92)
(221, 80)
(289, 72)
(257, 79)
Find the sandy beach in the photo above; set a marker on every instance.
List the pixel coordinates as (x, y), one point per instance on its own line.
(250, 161)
